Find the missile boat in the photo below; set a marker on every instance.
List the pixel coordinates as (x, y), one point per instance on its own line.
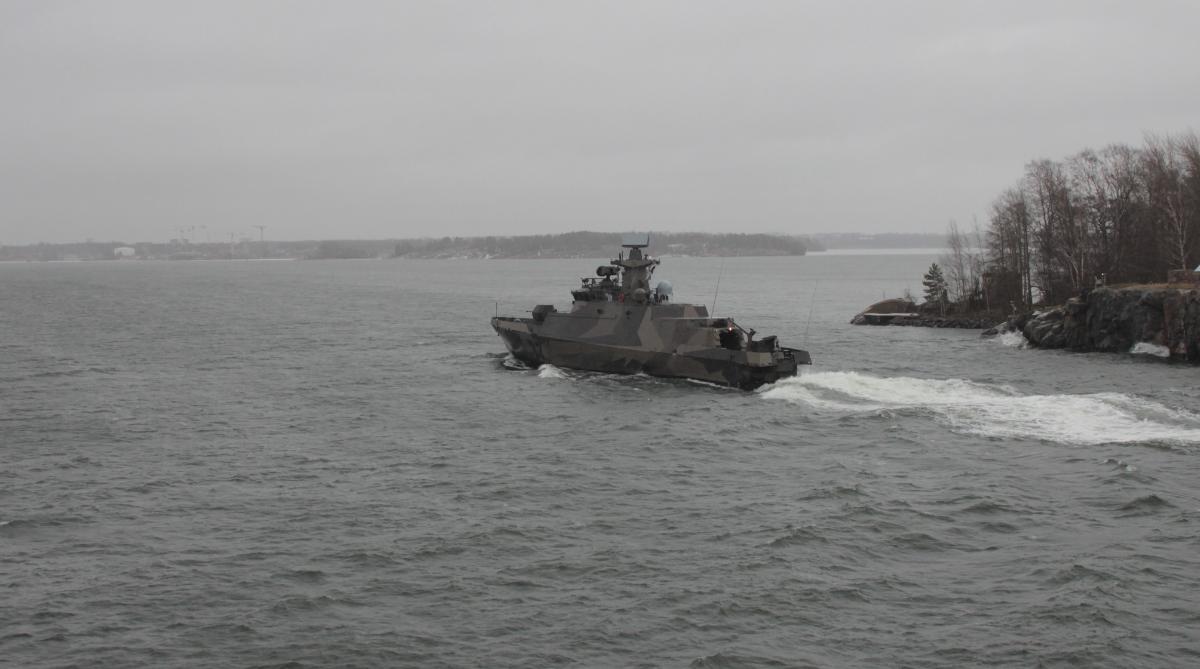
(618, 324)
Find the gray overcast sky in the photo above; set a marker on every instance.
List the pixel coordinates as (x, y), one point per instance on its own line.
(131, 119)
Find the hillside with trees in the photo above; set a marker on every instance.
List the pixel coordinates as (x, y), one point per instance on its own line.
(1121, 214)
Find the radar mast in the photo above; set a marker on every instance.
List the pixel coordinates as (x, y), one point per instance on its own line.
(637, 268)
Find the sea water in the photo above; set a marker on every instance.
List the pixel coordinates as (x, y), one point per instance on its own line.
(335, 463)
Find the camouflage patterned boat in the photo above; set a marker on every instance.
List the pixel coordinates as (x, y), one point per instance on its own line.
(617, 324)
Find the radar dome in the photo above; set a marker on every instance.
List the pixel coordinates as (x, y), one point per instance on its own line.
(665, 289)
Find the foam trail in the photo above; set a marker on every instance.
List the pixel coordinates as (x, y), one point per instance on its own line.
(996, 411)
(1013, 339)
(511, 362)
(1146, 348)
(551, 372)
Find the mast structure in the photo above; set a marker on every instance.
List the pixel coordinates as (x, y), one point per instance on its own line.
(637, 269)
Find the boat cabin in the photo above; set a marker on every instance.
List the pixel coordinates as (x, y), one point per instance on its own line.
(626, 278)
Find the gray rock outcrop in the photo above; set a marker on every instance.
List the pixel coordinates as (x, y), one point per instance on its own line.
(1116, 320)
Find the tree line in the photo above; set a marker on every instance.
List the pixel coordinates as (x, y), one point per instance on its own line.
(1122, 214)
(586, 244)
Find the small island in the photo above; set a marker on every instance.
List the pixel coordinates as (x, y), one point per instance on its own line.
(1097, 252)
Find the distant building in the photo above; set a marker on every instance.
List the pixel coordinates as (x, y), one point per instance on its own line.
(125, 252)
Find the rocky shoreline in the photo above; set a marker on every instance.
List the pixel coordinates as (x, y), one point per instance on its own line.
(901, 311)
(1157, 320)
(1162, 321)
(923, 321)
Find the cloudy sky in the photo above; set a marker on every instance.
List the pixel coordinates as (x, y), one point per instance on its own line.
(133, 119)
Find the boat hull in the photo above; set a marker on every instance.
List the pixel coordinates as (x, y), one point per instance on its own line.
(712, 365)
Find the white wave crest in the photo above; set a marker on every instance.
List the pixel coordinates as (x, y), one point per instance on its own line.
(996, 411)
(551, 372)
(1146, 348)
(1014, 339)
(511, 362)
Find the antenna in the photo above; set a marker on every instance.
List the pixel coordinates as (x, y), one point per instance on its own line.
(811, 302)
(717, 290)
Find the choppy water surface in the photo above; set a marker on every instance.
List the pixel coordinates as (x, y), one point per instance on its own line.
(332, 464)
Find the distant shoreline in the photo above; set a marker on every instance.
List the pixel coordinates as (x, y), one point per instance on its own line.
(878, 252)
(127, 261)
(581, 244)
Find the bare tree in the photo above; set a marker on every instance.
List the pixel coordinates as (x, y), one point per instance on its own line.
(977, 262)
(1189, 155)
(1165, 179)
(1061, 241)
(964, 264)
(956, 263)
(1009, 247)
(1125, 210)
(1126, 213)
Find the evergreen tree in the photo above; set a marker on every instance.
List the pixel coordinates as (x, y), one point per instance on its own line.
(935, 287)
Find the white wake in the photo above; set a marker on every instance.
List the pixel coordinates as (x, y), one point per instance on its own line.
(1146, 348)
(548, 371)
(996, 411)
(1013, 339)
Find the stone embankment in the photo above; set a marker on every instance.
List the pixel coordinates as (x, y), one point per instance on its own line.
(1165, 321)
